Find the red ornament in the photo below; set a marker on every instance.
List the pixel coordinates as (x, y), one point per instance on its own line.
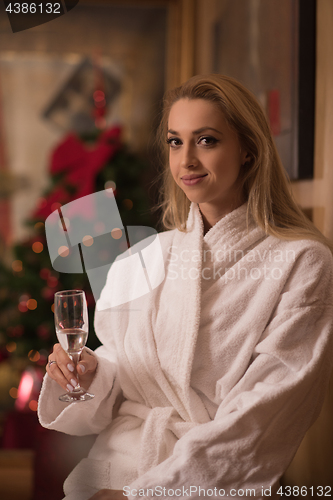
(80, 165)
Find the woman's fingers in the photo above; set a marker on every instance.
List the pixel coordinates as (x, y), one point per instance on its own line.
(87, 364)
(86, 368)
(62, 370)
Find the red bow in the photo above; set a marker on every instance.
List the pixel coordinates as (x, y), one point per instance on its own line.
(80, 164)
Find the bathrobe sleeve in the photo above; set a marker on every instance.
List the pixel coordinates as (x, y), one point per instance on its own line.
(93, 416)
(261, 422)
(96, 414)
(77, 418)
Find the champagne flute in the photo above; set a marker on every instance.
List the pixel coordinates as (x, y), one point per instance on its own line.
(71, 324)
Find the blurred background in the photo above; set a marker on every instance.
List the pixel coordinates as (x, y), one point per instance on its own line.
(80, 100)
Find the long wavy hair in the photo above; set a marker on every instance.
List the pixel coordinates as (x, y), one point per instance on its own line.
(265, 182)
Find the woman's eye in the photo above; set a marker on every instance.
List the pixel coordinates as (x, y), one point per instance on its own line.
(173, 142)
(207, 140)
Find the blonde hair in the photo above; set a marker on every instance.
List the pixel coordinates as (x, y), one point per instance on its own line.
(265, 182)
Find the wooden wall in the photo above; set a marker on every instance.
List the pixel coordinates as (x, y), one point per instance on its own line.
(313, 464)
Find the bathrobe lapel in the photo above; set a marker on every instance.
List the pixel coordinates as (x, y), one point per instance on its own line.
(187, 314)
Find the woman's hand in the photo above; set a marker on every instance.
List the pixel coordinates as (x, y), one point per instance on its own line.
(61, 368)
(108, 495)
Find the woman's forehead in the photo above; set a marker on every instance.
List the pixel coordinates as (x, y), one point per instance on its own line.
(195, 113)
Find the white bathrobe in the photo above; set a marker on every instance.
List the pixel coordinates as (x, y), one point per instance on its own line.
(222, 368)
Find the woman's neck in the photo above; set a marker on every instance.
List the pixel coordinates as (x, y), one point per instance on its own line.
(210, 216)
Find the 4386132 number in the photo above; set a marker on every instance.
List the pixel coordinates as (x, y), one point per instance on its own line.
(303, 491)
(33, 8)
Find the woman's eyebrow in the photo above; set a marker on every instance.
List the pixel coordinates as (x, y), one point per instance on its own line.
(196, 132)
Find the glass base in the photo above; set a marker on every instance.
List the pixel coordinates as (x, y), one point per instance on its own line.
(74, 396)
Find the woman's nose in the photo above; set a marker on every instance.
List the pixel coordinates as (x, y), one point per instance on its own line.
(189, 158)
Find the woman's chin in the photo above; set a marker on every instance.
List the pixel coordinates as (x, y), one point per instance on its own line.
(194, 197)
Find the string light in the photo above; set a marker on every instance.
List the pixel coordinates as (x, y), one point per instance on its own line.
(33, 356)
(37, 247)
(63, 251)
(87, 240)
(11, 346)
(116, 233)
(33, 405)
(32, 304)
(17, 266)
(110, 185)
(22, 307)
(13, 392)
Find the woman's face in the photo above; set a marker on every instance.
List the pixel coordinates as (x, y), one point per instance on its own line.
(205, 155)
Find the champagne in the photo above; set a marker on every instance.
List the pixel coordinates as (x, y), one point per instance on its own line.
(71, 324)
(72, 340)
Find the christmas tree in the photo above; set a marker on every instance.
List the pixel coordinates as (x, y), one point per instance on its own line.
(92, 160)
(27, 288)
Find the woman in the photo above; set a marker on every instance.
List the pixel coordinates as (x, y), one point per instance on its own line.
(213, 377)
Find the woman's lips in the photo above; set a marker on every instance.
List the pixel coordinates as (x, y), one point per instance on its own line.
(190, 180)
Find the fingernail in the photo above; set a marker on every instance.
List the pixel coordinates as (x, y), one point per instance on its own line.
(73, 382)
(82, 368)
(70, 367)
(70, 388)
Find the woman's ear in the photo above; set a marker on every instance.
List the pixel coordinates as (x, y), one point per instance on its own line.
(246, 158)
